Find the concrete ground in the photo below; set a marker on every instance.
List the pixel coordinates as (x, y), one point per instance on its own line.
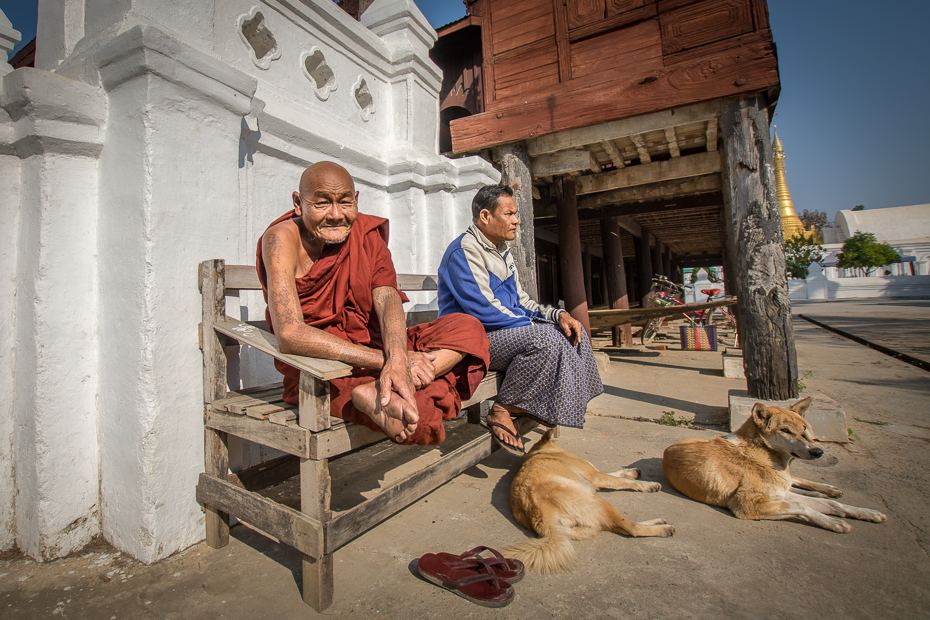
(715, 565)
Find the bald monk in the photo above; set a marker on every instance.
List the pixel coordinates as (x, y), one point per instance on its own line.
(331, 291)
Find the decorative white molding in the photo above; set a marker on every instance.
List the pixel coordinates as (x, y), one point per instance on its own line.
(147, 50)
(52, 113)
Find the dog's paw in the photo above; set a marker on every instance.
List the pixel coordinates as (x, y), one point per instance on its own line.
(839, 526)
(832, 491)
(651, 487)
(875, 517)
(656, 527)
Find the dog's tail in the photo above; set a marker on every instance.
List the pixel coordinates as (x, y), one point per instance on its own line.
(551, 554)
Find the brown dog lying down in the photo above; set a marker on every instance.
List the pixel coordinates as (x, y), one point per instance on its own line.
(553, 495)
(747, 471)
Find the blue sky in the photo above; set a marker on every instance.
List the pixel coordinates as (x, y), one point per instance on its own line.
(855, 80)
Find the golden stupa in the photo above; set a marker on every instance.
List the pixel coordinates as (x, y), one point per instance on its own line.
(791, 224)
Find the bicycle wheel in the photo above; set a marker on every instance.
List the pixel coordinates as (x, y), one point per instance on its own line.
(650, 330)
(711, 316)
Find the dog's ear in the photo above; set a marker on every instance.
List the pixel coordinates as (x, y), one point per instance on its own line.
(760, 415)
(802, 406)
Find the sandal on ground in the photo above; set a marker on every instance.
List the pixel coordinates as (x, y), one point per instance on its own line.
(503, 444)
(506, 569)
(482, 588)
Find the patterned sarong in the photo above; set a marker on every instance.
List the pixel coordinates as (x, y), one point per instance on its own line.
(547, 376)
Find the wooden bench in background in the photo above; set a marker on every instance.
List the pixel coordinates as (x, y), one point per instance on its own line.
(308, 435)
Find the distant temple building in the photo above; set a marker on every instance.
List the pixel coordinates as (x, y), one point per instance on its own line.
(791, 224)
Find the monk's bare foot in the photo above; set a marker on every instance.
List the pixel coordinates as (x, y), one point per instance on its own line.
(500, 415)
(397, 422)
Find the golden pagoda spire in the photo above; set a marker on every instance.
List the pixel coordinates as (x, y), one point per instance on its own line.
(791, 224)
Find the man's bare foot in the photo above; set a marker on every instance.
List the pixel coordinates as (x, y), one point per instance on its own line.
(500, 415)
(397, 423)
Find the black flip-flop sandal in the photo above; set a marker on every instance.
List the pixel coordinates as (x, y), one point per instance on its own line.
(506, 446)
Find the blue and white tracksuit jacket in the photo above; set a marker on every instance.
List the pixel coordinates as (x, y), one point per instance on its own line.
(479, 279)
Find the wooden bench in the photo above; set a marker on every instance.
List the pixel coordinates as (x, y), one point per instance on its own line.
(306, 433)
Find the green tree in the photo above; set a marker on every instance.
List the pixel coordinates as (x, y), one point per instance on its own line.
(800, 252)
(859, 208)
(815, 218)
(864, 251)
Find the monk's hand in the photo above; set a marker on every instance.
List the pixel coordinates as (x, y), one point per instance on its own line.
(569, 327)
(396, 393)
(422, 369)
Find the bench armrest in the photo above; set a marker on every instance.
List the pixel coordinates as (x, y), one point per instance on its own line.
(266, 342)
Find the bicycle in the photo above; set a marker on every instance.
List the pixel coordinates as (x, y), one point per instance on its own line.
(665, 293)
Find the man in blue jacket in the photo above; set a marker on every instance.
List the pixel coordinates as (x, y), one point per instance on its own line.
(550, 369)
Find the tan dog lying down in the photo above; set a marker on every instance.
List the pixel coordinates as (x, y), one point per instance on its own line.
(553, 495)
(747, 471)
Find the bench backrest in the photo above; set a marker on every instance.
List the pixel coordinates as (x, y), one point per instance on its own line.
(245, 278)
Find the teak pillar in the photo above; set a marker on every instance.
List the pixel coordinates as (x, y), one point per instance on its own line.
(617, 296)
(572, 270)
(515, 172)
(644, 262)
(586, 267)
(657, 258)
(755, 247)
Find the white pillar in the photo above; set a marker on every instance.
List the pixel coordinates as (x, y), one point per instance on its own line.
(59, 27)
(9, 38)
(415, 79)
(57, 133)
(168, 200)
(9, 216)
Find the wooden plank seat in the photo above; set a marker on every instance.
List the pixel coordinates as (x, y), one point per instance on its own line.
(308, 436)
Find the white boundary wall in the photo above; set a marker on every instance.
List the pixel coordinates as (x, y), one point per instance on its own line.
(820, 286)
(151, 137)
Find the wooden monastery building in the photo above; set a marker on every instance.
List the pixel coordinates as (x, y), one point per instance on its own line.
(636, 136)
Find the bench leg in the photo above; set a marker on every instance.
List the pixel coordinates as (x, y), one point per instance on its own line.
(315, 494)
(216, 457)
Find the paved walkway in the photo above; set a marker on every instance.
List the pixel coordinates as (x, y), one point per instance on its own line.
(902, 325)
(715, 566)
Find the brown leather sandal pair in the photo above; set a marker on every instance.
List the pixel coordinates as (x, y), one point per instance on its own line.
(483, 581)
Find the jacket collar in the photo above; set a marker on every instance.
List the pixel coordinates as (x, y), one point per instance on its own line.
(502, 248)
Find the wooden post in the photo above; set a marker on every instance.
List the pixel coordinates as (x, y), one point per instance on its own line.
(216, 446)
(617, 296)
(315, 495)
(570, 248)
(755, 245)
(630, 278)
(657, 257)
(313, 408)
(644, 262)
(586, 268)
(515, 172)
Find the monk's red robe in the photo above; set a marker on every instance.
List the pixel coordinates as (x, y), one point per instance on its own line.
(335, 296)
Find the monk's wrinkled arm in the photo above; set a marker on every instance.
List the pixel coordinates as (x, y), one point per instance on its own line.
(395, 374)
(280, 254)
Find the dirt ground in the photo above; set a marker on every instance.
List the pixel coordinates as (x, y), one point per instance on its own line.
(715, 565)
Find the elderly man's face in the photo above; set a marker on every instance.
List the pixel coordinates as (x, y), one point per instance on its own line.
(501, 225)
(327, 204)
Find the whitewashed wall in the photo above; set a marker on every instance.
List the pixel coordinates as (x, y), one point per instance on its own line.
(820, 286)
(150, 138)
(9, 228)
